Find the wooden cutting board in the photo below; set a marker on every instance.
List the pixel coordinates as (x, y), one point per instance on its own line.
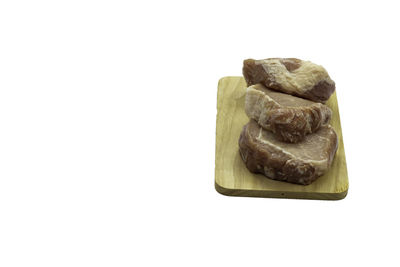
(231, 175)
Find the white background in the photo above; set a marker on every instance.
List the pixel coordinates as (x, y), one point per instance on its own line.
(107, 133)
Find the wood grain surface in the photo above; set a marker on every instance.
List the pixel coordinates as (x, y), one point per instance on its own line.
(231, 175)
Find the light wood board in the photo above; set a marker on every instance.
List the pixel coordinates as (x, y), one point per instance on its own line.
(231, 175)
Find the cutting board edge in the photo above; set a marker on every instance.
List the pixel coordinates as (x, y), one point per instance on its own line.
(280, 194)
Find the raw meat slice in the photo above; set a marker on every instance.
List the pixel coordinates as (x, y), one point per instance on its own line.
(300, 163)
(290, 75)
(291, 118)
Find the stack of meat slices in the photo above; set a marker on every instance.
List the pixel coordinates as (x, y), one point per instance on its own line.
(288, 137)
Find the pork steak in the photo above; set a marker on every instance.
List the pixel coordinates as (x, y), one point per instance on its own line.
(290, 75)
(291, 118)
(300, 163)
